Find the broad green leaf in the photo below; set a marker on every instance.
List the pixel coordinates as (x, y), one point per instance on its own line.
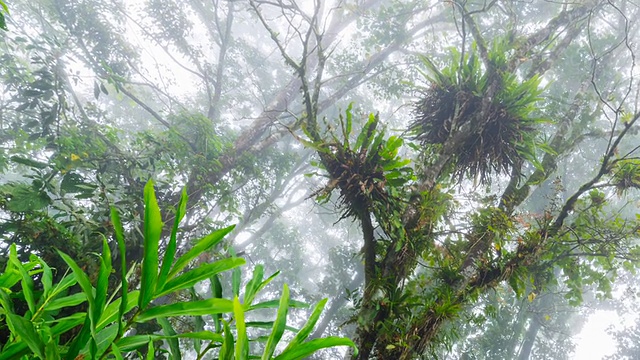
(273, 304)
(304, 350)
(242, 343)
(236, 279)
(216, 292)
(24, 328)
(151, 352)
(267, 325)
(279, 325)
(26, 280)
(174, 345)
(189, 308)
(115, 350)
(170, 250)
(71, 300)
(29, 162)
(81, 277)
(103, 340)
(306, 330)
(14, 351)
(67, 323)
(103, 280)
(47, 279)
(198, 274)
(122, 251)
(51, 350)
(152, 231)
(201, 246)
(113, 311)
(253, 285)
(10, 277)
(226, 350)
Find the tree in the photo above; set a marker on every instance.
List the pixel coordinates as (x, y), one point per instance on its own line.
(478, 184)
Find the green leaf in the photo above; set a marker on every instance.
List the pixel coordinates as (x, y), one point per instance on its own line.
(14, 351)
(253, 285)
(188, 308)
(26, 280)
(67, 323)
(216, 292)
(302, 351)
(273, 304)
(113, 310)
(201, 246)
(236, 278)
(174, 345)
(226, 350)
(306, 330)
(83, 281)
(103, 280)
(170, 250)
(152, 231)
(29, 162)
(242, 343)
(278, 326)
(118, 231)
(198, 274)
(67, 301)
(24, 328)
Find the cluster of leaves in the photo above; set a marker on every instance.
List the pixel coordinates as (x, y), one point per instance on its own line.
(626, 175)
(40, 332)
(365, 170)
(500, 129)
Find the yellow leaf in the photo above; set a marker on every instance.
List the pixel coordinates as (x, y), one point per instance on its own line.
(390, 347)
(497, 246)
(75, 157)
(547, 317)
(531, 296)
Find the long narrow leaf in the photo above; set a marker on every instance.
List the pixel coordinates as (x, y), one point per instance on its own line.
(67, 301)
(103, 280)
(306, 330)
(279, 325)
(201, 246)
(189, 308)
(301, 351)
(24, 328)
(174, 345)
(122, 252)
(253, 285)
(170, 250)
(198, 274)
(113, 310)
(152, 230)
(242, 343)
(25, 279)
(83, 281)
(226, 350)
(216, 292)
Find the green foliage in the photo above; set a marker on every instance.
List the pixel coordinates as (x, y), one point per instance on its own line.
(626, 175)
(492, 108)
(367, 170)
(31, 303)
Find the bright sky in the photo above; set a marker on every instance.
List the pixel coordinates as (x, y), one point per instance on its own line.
(594, 343)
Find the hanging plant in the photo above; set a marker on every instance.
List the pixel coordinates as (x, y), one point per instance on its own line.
(499, 131)
(364, 171)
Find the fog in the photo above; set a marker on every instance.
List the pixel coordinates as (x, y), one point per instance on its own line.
(459, 179)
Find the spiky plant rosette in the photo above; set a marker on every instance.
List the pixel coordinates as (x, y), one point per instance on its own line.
(626, 175)
(365, 171)
(500, 131)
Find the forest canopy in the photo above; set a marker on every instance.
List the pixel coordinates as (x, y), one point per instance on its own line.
(460, 179)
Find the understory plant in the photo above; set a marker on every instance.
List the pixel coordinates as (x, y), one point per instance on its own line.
(32, 304)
